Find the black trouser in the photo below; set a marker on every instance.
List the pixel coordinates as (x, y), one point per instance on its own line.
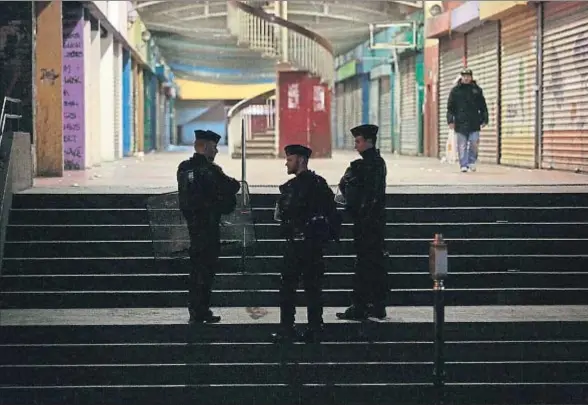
(204, 260)
(370, 278)
(302, 259)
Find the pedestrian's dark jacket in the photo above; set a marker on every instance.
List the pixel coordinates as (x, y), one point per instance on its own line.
(466, 108)
(205, 191)
(304, 199)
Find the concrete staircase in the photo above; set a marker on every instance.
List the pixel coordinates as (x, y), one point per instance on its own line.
(262, 145)
(91, 317)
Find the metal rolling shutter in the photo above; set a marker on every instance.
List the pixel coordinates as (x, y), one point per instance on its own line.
(357, 105)
(483, 57)
(385, 115)
(374, 102)
(517, 92)
(565, 86)
(117, 50)
(450, 63)
(409, 130)
(352, 110)
(340, 97)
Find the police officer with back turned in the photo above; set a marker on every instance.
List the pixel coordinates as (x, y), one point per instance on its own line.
(363, 187)
(205, 193)
(309, 218)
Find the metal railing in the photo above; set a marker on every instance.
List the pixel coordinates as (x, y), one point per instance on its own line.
(243, 119)
(282, 39)
(9, 113)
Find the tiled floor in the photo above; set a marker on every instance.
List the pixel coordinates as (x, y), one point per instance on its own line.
(155, 172)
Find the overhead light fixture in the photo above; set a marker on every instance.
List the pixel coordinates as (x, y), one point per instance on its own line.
(145, 36)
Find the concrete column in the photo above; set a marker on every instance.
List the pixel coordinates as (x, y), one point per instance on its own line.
(74, 92)
(106, 98)
(93, 96)
(49, 88)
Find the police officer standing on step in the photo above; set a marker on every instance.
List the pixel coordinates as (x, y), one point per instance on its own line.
(309, 219)
(363, 188)
(205, 193)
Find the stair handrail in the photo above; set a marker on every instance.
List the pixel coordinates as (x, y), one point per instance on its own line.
(324, 69)
(274, 19)
(235, 122)
(246, 102)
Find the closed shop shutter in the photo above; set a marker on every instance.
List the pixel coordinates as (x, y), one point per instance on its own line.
(517, 92)
(374, 102)
(352, 110)
(409, 129)
(118, 68)
(340, 98)
(565, 86)
(483, 57)
(385, 115)
(357, 107)
(451, 55)
(148, 111)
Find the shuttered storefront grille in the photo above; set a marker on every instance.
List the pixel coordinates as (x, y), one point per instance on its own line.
(451, 54)
(118, 68)
(340, 101)
(352, 111)
(374, 109)
(374, 102)
(517, 92)
(385, 115)
(483, 57)
(565, 86)
(409, 130)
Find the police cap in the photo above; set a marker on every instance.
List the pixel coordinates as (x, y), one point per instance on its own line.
(207, 136)
(298, 150)
(466, 72)
(368, 131)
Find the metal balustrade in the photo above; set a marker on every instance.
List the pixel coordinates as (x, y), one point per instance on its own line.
(278, 38)
(250, 117)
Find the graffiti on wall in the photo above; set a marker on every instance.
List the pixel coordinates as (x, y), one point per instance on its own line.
(73, 91)
(557, 82)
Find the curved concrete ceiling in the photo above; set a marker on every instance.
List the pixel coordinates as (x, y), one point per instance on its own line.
(194, 40)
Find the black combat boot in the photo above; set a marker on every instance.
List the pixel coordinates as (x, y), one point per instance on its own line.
(207, 317)
(353, 313)
(377, 311)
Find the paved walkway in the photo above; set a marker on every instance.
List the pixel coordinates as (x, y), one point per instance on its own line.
(156, 172)
(258, 315)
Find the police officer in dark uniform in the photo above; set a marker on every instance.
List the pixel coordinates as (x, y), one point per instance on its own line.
(309, 219)
(363, 187)
(205, 193)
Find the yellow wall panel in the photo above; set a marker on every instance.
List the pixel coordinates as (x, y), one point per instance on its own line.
(497, 9)
(191, 90)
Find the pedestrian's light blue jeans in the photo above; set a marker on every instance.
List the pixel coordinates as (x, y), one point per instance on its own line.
(467, 148)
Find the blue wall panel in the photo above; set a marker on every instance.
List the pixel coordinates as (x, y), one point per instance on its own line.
(127, 104)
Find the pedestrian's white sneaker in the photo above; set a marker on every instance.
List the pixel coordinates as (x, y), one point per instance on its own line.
(472, 168)
(464, 169)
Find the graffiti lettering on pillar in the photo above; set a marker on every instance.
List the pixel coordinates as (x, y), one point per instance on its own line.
(318, 98)
(73, 94)
(293, 96)
(49, 75)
